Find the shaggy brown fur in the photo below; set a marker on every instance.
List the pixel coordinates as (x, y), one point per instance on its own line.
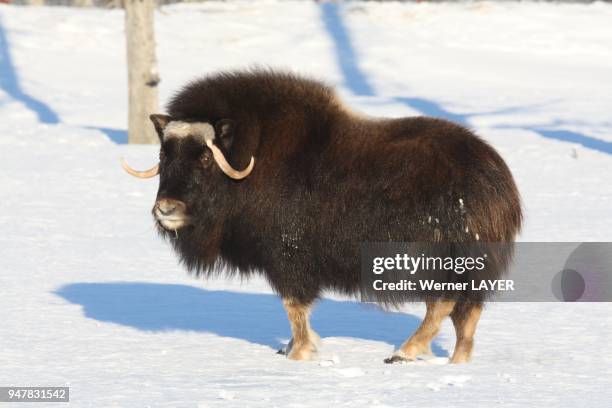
(325, 180)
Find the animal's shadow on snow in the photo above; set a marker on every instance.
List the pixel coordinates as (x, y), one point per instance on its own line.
(257, 318)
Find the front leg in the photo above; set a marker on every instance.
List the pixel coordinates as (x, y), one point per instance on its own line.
(304, 341)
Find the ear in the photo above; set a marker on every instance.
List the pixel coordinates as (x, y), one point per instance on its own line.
(224, 133)
(160, 121)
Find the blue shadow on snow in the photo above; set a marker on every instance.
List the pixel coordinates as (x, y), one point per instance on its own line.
(347, 59)
(9, 82)
(355, 79)
(256, 318)
(357, 82)
(119, 136)
(573, 137)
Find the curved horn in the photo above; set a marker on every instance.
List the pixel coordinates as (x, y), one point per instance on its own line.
(152, 172)
(226, 167)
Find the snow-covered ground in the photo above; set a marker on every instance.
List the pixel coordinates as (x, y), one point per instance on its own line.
(90, 298)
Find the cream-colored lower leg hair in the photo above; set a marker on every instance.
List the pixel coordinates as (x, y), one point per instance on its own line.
(304, 341)
(465, 318)
(420, 342)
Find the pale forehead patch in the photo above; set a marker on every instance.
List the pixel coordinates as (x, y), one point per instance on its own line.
(200, 130)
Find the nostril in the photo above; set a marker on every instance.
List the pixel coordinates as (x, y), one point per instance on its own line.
(167, 210)
(166, 207)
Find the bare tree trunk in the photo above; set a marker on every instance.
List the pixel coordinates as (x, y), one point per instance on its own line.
(143, 76)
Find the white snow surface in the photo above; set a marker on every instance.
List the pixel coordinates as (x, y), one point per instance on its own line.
(92, 299)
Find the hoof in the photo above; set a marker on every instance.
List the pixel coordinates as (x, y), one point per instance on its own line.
(461, 359)
(287, 349)
(396, 358)
(301, 355)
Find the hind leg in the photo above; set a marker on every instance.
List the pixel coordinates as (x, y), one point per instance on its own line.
(465, 317)
(304, 340)
(420, 342)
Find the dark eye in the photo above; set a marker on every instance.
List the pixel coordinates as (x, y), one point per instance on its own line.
(205, 158)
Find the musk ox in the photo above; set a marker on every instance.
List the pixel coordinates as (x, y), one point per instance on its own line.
(265, 172)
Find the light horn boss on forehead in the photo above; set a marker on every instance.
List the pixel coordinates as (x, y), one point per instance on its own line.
(203, 132)
(199, 130)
